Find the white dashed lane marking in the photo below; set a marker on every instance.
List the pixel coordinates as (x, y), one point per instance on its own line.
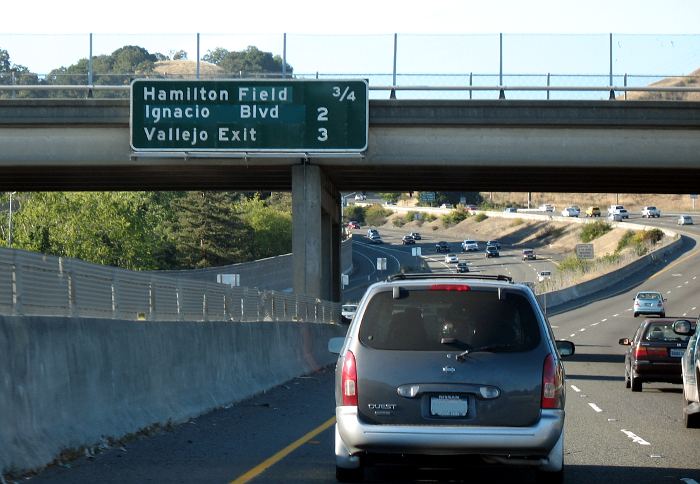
(572, 335)
(603, 320)
(595, 324)
(575, 388)
(595, 407)
(616, 315)
(582, 329)
(635, 438)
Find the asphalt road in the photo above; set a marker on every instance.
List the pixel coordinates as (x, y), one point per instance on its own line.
(286, 434)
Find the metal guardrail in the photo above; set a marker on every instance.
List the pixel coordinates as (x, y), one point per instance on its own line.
(90, 88)
(34, 284)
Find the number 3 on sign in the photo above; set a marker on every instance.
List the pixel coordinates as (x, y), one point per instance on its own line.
(322, 134)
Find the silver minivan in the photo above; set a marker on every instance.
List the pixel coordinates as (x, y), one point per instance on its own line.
(450, 365)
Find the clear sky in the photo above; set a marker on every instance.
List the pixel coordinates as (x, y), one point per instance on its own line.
(322, 34)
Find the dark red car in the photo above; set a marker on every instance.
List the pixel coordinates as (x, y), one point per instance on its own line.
(654, 353)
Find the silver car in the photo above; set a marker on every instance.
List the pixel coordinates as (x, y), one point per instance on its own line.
(649, 302)
(691, 374)
(450, 365)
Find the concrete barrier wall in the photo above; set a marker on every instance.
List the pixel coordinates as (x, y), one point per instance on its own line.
(68, 382)
(606, 281)
(272, 273)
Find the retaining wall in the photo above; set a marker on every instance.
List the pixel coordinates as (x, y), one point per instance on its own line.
(69, 382)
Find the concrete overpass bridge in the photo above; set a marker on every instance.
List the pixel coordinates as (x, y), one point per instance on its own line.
(564, 146)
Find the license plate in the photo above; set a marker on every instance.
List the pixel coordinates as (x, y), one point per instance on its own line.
(647, 304)
(448, 406)
(677, 352)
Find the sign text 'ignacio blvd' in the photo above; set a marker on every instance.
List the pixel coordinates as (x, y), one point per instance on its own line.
(249, 115)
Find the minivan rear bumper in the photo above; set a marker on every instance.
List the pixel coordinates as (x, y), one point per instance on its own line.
(535, 441)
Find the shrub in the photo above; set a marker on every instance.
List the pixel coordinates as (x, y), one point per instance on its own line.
(480, 217)
(516, 222)
(354, 212)
(594, 230)
(376, 215)
(455, 216)
(625, 240)
(429, 217)
(574, 264)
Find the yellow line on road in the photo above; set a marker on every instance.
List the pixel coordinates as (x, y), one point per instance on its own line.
(270, 461)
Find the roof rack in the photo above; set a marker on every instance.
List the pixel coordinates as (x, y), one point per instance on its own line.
(447, 275)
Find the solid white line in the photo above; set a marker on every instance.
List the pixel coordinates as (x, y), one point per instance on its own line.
(575, 388)
(595, 407)
(635, 438)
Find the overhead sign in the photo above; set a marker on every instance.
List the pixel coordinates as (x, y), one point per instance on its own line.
(584, 251)
(249, 115)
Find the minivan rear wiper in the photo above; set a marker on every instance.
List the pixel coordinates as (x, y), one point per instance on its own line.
(463, 355)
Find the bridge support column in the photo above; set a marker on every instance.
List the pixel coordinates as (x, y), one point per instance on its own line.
(315, 233)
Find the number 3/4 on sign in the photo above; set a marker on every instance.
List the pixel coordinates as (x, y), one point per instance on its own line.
(344, 94)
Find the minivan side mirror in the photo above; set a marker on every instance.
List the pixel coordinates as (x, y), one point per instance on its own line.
(566, 348)
(335, 345)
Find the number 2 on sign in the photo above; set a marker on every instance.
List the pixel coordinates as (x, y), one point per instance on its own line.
(350, 96)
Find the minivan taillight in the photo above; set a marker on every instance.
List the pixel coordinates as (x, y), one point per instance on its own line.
(348, 380)
(552, 383)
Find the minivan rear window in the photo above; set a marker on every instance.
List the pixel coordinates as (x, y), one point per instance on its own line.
(423, 320)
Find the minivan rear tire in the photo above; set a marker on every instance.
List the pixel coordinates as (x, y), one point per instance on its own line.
(349, 475)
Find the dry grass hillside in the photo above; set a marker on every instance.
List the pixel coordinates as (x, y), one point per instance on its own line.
(187, 69)
(691, 80)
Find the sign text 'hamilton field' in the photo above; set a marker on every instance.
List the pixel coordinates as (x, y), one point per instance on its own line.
(249, 115)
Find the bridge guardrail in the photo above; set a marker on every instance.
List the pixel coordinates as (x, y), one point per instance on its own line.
(33, 284)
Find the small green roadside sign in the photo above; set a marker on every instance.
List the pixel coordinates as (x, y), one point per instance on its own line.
(249, 115)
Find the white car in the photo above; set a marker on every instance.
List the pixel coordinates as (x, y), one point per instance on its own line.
(451, 259)
(360, 197)
(546, 207)
(470, 246)
(615, 208)
(685, 220)
(347, 312)
(651, 211)
(570, 212)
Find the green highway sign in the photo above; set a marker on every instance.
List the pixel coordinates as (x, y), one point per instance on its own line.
(249, 115)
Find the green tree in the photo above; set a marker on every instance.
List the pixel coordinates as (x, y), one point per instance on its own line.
(250, 61)
(207, 231)
(15, 74)
(111, 228)
(270, 228)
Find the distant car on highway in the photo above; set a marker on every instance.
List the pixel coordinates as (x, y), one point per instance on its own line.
(570, 212)
(462, 266)
(494, 242)
(408, 240)
(446, 205)
(492, 251)
(547, 207)
(471, 208)
(415, 235)
(651, 211)
(689, 373)
(654, 353)
(353, 224)
(442, 246)
(470, 246)
(451, 259)
(614, 208)
(371, 232)
(649, 302)
(685, 220)
(347, 312)
(529, 254)
(360, 197)
(593, 211)
(510, 210)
